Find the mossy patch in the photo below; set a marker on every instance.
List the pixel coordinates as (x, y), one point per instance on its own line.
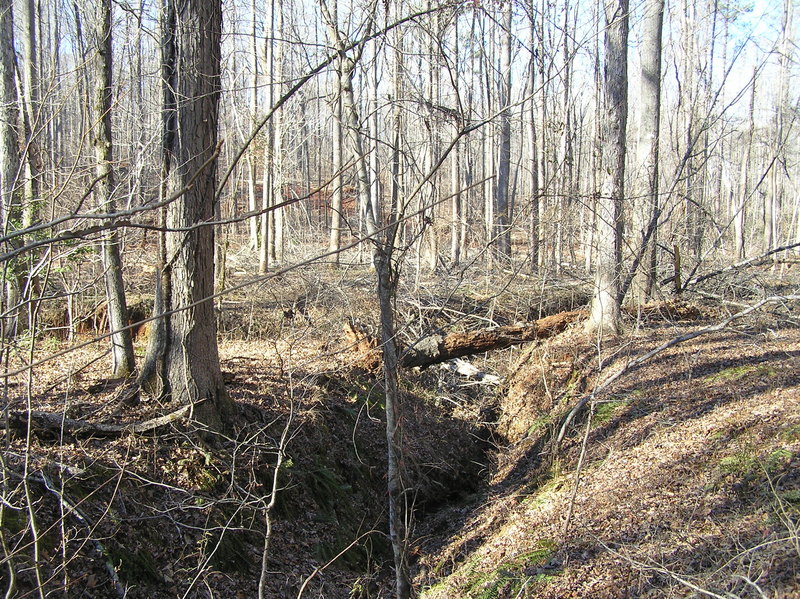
(540, 491)
(735, 373)
(13, 520)
(541, 423)
(791, 434)
(790, 496)
(514, 577)
(749, 470)
(606, 410)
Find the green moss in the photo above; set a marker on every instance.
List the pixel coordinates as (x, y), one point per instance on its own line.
(777, 459)
(331, 490)
(738, 464)
(513, 576)
(605, 410)
(791, 434)
(202, 470)
(326, 487)
(791, 496)
(735, 373)
(87, 482)
(544, 491)
(750, 470)
(541, 423)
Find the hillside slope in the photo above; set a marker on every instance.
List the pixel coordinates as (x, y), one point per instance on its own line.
(690, 482)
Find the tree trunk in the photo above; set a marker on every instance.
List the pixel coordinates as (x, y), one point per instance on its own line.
(30, 76)
(605, 312)
(122, 359)
(335, 240)
(277, 215)
(437, 348)
(252, 159)
(266, 252)
(351, 118)
(192, 359)
(740, 216)
(533, 147)
(648, 143)
(9, 162)
(502, 230)
(774, 201)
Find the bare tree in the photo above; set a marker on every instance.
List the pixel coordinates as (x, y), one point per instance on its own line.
(533, 144)
(740, 213)
(782, 126)
(191, 356)
(335, 239)
(9, 157)
(648, 144)
(605, 312)
(123, 363)
(502, 223)
(30, 98)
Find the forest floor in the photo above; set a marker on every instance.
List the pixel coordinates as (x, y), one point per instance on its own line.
(681, 479)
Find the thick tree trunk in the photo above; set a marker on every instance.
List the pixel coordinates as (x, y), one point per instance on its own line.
(123, 362)
(9, 162)
(335, 239)
(252, 157)
(502, 230)
(605, 312)
(152, 375)
(649, 136)
(192, 359)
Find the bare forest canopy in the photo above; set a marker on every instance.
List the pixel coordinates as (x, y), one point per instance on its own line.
(525, 180)
(192, 185)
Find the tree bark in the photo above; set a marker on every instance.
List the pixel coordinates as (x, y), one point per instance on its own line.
(30, 77)
(605, 312)
(502, 230)
(252, 158)
(740, 215)
(648, 143)
(335, 239)
(9, 162)
(774, 201)
(533, 147)
(192, 361)
(122, 359)
(440, 348)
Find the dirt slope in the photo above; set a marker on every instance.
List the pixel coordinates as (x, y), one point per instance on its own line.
(690, 483)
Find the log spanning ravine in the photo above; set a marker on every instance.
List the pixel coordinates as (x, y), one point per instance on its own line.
(429, 350)
(435, 349)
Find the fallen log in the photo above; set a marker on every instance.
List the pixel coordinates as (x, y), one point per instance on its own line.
(57, 423)
(435, 349)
